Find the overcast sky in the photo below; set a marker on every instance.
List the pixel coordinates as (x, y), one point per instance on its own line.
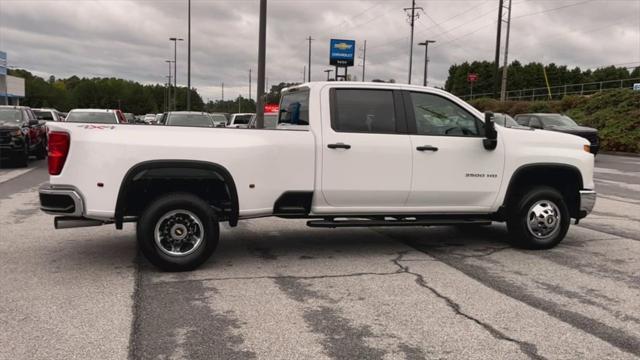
(129, 38)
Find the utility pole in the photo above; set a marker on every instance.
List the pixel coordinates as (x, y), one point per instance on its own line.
(426, 59)
(262, 51)
(189, 60)
(328, 71)
(364, 58)
(412, 20)
(249, 84)
(496, 82)
(503, 87)
(309, 66)
(175, 73)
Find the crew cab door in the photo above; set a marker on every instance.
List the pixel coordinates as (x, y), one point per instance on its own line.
(452, 171)
(366, 153)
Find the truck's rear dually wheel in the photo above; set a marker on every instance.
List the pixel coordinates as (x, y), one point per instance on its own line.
(539, 219)
(178, 232)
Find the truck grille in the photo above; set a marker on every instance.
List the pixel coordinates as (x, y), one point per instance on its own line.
(5, 137)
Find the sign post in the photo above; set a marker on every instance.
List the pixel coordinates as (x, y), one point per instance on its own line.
(341, 55)
(471, 79)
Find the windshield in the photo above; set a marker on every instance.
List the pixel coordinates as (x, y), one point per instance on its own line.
(557, 120)
(10, 115)
(44, 115)
(92, 117)
(242, 119)
(194, 120)
(294, 108)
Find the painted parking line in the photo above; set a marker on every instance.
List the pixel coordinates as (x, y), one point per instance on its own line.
(12, 174)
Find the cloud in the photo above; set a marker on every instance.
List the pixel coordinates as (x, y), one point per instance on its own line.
(129, 39)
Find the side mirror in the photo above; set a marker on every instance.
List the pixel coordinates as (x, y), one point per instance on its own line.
(34, 122)
(490, 134)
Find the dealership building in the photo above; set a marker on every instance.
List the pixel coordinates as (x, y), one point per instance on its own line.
(11, 87)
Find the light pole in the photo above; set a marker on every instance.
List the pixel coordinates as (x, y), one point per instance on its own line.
(168, 107)
(189, 59)
(426, 58)
(262, 44)
(175, 73)
(328, 71)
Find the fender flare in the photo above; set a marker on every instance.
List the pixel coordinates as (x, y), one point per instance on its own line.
(139, 168)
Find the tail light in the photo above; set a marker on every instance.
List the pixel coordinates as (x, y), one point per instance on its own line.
(58, 149)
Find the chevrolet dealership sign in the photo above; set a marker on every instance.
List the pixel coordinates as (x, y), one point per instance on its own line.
(342, 52)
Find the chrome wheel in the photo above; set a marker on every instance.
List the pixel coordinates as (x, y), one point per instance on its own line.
(543, 219)
(178, 233)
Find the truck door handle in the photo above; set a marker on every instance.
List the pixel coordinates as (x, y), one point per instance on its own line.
(339, 146)
(427, 148)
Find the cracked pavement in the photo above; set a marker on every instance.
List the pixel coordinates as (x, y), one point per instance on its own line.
(276, 289)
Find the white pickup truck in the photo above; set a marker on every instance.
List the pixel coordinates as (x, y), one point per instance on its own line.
(343, 154)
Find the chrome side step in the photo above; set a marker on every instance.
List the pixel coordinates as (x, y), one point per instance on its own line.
(328, 223)
(69, 222)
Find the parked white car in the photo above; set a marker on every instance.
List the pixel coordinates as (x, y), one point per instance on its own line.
(240, 120)
(351, 154)
(48, 114)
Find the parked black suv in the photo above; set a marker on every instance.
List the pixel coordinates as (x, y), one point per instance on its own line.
(560, 123)
(21, 135)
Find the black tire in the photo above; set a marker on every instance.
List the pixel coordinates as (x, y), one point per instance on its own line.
(22, 159)
(522, 211)
(187, 206)
(41, 153)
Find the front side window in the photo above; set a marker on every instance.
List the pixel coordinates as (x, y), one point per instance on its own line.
(535, 123)
(523, 120)
(366, 111)
(436, 115)
(294, 108)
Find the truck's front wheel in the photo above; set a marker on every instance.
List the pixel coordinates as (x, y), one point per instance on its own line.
(539, 219)
(178, 232)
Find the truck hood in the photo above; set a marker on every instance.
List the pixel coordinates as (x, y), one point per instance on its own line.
(573, 129)
(8, 125)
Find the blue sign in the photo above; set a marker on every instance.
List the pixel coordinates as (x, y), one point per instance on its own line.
(342, 52)
(3, 63)
(636, 86)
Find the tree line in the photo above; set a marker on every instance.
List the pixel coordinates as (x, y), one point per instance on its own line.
(101, 93)
(529, 76)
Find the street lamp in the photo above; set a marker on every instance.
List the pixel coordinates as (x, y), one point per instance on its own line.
(175, 74)
(426, 59)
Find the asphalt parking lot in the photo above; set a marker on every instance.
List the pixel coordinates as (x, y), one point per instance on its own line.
(276, 289)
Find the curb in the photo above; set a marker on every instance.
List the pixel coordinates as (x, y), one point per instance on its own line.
(619, 153)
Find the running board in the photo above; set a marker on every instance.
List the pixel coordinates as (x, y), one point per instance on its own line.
(404, 222)
(69, 222)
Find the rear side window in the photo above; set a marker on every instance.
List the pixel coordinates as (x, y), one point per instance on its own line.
(294, 108)
(242, 119)
(92, 117)
(363, 110)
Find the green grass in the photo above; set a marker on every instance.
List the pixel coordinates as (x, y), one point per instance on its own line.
(615, 113)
